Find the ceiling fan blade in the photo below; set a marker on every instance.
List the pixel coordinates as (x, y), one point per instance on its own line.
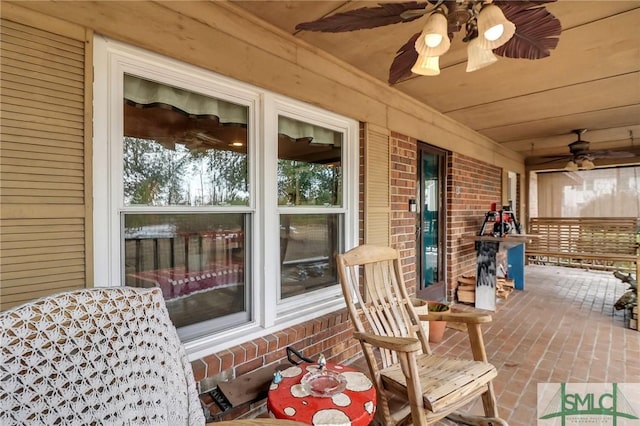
(364, 18)
(412, 14)
(548, 159)
(555, 157)
(611, 154)
(537, 30)
(406, 56)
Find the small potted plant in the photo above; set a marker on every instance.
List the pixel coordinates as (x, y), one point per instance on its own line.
(436, 328)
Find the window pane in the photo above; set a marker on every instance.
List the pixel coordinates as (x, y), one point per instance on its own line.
(308, 245)
(198, 260)
(309, 164)
(182, 148)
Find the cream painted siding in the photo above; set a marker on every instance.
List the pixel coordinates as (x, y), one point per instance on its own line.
(44, 163)
(377, 204)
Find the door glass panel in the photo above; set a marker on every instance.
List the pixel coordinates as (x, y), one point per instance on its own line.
(512, 192)
(430, 218)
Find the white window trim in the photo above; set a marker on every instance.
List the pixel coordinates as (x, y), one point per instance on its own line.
(303, 112)
(111, 59)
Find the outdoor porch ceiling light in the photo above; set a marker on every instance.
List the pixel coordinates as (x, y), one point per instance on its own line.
(427, 65)
(587, 164)
(579, 164)
(486, 29)
(477, 57)
(434, 40)
(494, 29)
(512, 29)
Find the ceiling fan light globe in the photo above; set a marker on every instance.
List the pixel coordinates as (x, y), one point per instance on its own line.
(494, 33)
(587, 164)
(571, 166)
(427, 65)
(477, 57)
(495, 29)
(434, 40)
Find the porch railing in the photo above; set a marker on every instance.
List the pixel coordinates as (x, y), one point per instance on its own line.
(597, 243)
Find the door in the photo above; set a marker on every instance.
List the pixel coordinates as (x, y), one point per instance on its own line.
(431, 223)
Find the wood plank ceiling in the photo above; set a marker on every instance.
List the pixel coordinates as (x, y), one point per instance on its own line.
(591, 80)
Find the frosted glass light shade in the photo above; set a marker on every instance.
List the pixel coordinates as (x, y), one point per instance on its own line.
(477, 57)
(588, 164)
(427, 65)
(571, 166)
(494, 29)
(434, 40)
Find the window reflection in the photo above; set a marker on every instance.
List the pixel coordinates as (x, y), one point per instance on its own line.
(182, 148)
(198, 261)
(308, 245)
(309, 164)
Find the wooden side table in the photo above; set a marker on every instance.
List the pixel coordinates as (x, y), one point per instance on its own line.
(356, 405)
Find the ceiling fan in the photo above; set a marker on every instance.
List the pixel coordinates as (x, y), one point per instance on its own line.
(536, 29)
(581, 157)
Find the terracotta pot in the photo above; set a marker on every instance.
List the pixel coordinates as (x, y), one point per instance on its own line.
(436, 328)
(433, 329)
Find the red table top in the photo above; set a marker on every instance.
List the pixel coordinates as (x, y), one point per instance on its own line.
(355, 405)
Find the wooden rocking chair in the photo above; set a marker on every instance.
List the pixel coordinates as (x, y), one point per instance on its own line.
(413, 385)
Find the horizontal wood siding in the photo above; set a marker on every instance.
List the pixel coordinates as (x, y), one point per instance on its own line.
(43, 175)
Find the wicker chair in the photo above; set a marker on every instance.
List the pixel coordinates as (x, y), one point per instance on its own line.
(413, 385)
(107, 356)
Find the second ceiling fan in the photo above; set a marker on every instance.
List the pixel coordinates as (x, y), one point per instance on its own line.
(581, 156)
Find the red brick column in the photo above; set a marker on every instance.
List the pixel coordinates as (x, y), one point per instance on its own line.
(404, 169)
(471, 188)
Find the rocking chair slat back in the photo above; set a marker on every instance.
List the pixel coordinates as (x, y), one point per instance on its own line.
(382, 298)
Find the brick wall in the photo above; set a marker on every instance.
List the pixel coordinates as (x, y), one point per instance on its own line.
(471, 188)
(404, 169)
(479, 185)
(329, 335)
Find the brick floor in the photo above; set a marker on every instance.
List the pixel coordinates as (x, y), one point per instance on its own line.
(561, 328)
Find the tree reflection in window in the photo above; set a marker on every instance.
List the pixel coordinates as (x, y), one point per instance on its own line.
(301, 183)
(157, 176)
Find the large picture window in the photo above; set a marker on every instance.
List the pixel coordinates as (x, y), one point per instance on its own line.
(230, 199)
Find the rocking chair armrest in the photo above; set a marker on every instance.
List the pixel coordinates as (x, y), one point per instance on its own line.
(398, 344)
(465, 317)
